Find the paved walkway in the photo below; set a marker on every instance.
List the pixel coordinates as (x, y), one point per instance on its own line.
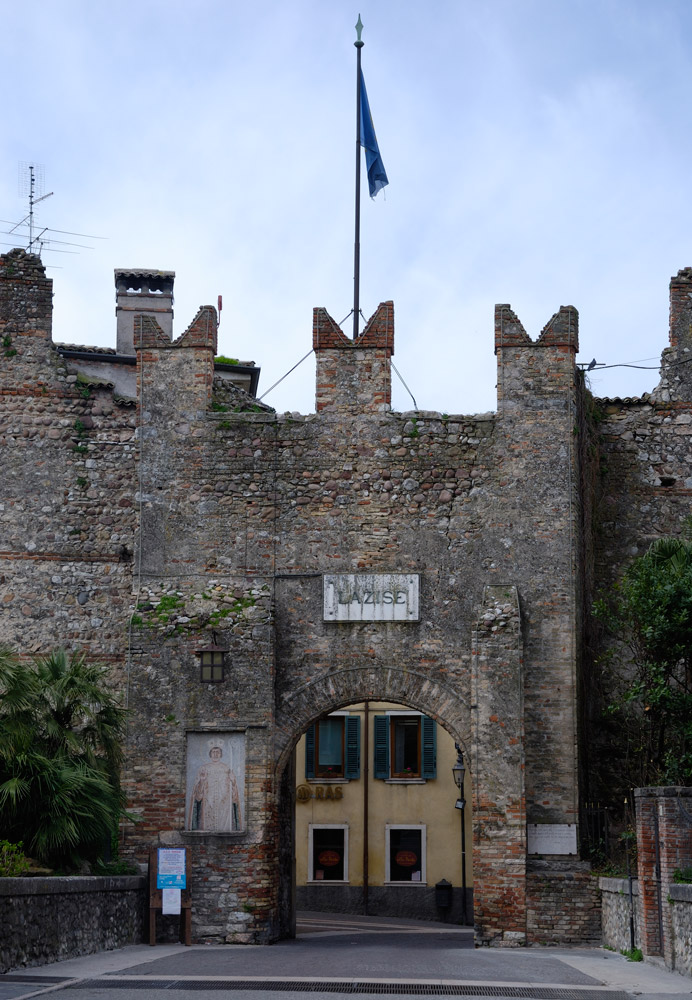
(337, 955)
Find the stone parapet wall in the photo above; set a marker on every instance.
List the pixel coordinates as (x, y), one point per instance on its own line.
(616, 920)
(616, 911)
(47, 920)
(563, 904)
(680, 897)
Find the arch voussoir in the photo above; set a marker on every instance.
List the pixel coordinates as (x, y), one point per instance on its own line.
(299, 707)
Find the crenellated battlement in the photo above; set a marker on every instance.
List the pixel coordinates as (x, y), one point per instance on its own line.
(176, 376)
(26, 296)
(561, 330)
(532, 370)
(378, 331)
(202, 332)
(354, 375)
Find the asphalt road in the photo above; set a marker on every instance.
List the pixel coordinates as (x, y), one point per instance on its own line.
(336, 956)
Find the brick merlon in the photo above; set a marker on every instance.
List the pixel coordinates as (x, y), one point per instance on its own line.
(378, 332)
(561, 330)
(202, 332)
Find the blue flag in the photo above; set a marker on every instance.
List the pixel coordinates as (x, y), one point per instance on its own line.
(377, 176)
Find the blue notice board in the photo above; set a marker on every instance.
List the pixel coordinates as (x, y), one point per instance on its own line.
(170, 868)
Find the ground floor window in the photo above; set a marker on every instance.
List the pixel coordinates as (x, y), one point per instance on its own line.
(328, 853)
(405, 853)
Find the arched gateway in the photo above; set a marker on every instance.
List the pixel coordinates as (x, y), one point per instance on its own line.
(246, 572)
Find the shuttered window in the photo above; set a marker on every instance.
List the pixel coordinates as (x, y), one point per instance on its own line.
(405, 747)
(332, 748)
(352, 768)
(381, 763)
(429, 748)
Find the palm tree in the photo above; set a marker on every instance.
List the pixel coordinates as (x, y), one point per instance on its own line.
(60, 752)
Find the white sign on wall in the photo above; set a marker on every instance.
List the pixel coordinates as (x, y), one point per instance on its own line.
(552, 838)
(371, 597)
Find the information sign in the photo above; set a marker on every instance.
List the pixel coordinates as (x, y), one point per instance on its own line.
(171, 868)
(170, 900)
(552, 838)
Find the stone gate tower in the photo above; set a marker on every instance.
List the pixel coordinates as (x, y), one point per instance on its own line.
(188, 536)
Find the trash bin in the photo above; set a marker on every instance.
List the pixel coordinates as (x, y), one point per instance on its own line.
(443, 894)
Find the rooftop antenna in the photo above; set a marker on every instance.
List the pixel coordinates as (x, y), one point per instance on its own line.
(31, 184)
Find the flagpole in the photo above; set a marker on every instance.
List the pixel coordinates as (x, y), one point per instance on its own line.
(356, 252)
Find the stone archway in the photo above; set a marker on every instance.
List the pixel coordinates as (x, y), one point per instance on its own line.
(327, 692)
(489, 727)
(399, 689)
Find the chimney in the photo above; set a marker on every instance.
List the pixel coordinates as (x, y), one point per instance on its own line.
(144, 292)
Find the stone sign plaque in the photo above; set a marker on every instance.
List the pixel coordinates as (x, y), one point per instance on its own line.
(552, 838)
(366, 597)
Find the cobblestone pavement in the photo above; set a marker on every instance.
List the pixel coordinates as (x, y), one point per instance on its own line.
(336, 956)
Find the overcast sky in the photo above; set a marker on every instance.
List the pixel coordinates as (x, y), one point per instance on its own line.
(539, 152)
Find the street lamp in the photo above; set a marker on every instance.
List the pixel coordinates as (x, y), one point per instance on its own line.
(459, 772)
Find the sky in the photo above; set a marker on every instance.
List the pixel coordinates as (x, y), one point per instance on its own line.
(538, 153)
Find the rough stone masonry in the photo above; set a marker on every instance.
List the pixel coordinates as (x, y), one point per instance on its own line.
(149, 530)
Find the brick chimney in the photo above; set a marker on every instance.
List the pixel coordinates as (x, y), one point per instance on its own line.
(146, 292)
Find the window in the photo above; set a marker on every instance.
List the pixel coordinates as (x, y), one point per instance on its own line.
(332, 748)
(328, 853)
(405, 854)
(405, 747)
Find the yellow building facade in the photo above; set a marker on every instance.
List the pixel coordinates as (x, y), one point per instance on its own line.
(378, 817)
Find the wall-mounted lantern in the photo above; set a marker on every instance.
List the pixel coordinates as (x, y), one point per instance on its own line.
(212, 663)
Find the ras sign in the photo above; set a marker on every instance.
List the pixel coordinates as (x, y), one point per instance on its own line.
(365, 597)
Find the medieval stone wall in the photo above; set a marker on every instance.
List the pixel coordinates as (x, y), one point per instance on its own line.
(144, 535)
(195, 523)
(67, 509)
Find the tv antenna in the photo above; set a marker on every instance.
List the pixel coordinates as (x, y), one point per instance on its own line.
(31, 186)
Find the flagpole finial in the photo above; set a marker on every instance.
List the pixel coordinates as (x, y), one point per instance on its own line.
(359, 29)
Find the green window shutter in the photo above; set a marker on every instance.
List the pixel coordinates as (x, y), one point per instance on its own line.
(428, 748)
(352, 762)
(310, 752)
(381, 755)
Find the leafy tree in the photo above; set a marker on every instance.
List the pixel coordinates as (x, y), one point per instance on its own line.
(650, 615)
(60, 753)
